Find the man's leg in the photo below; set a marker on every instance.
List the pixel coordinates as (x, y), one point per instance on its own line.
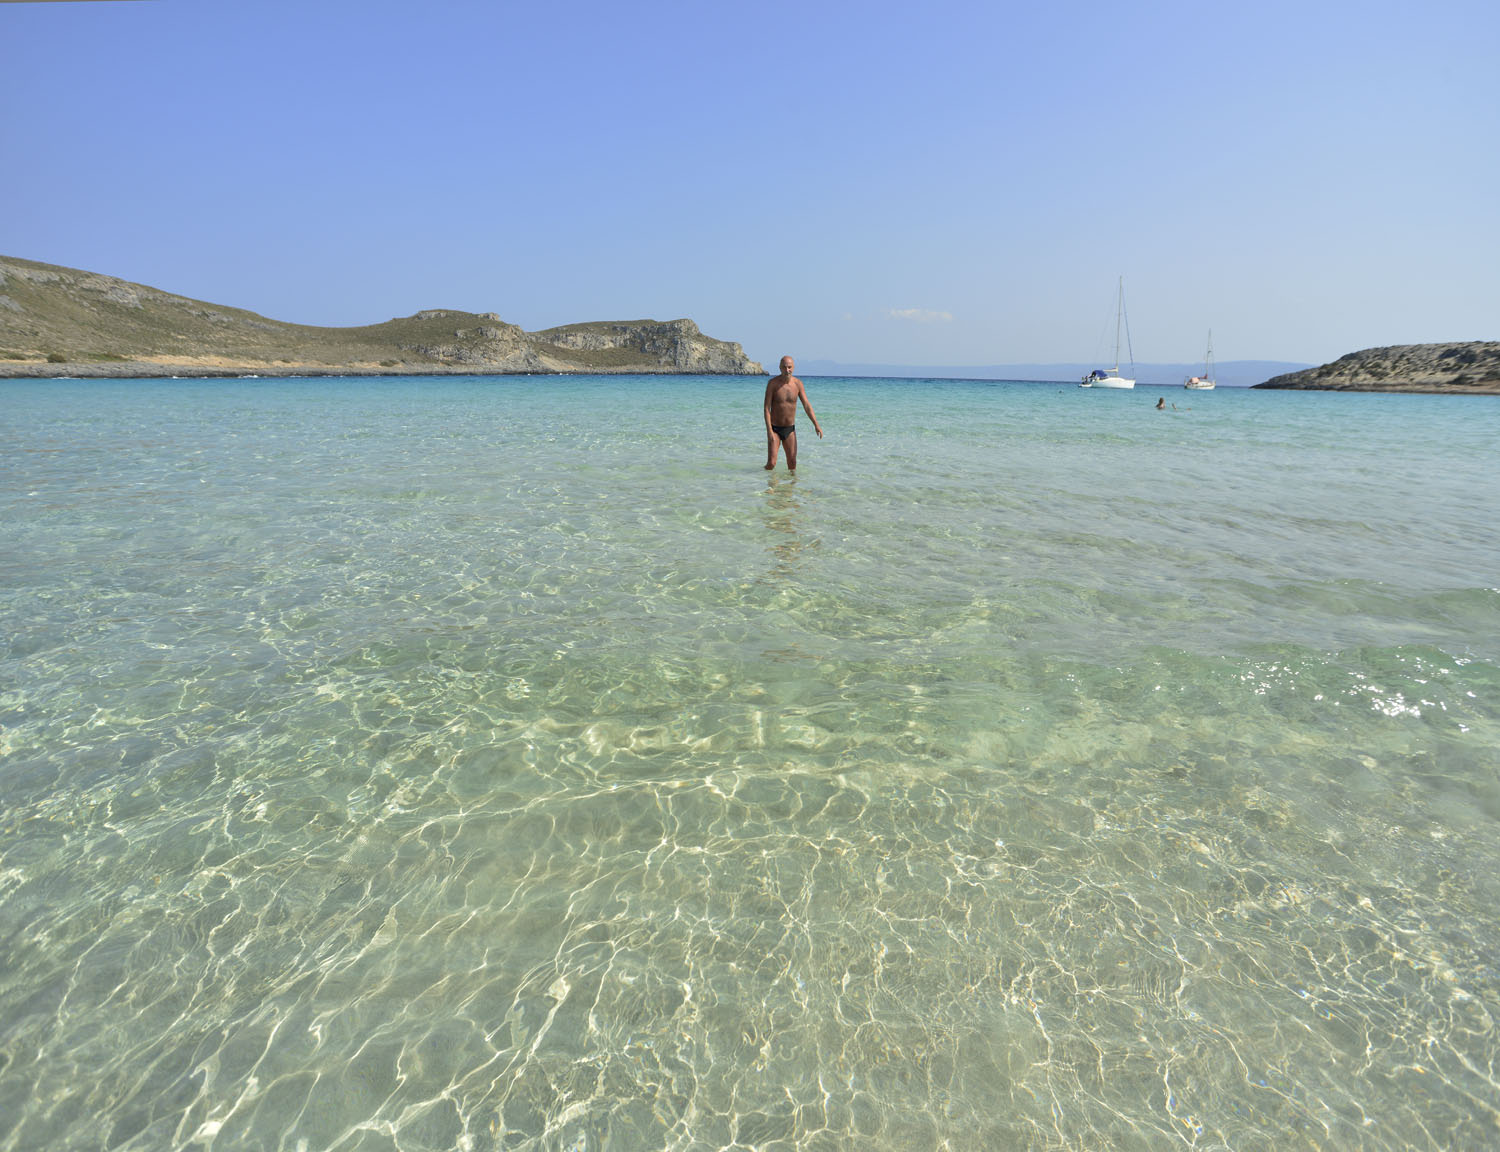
(791, 452)
(773, 442)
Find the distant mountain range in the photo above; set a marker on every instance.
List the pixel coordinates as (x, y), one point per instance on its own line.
(58, 321)
(1462, 368)
(1230, 373)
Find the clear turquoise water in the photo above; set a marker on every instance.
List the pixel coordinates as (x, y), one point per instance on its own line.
(515, 764)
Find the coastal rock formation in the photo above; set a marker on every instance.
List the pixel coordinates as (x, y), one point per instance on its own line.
(1470, 368)
(677, 343)
(58, 321)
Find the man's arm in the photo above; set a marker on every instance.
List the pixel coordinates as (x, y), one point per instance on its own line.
(766, 408)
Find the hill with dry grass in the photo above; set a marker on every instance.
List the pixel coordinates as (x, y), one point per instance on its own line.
(58, 321)
(1471, 368)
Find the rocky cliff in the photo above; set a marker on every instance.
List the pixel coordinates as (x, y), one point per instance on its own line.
(64, 322)
(1471, 368)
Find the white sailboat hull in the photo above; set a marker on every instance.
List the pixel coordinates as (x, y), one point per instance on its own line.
(1110, 382)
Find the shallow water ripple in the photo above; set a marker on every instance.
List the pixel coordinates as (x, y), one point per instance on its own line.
(376, 776)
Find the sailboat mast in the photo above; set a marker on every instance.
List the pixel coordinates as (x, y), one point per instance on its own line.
(1119, 312)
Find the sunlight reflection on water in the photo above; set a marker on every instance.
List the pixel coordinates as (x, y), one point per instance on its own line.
(390, 765)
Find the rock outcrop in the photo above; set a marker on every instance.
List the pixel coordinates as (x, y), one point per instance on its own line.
(678, 344)
(58, 321)
(1470, 368)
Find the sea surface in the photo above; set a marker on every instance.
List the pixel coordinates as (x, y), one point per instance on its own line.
(513, 763)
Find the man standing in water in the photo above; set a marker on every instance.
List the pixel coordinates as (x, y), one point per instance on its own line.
(782, 394)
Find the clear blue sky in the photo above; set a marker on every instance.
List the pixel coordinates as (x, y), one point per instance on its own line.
(866, 181)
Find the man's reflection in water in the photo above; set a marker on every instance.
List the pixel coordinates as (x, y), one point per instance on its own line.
(783, 512)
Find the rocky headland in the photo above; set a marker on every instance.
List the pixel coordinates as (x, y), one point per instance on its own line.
(1469, 369)
(58, 321)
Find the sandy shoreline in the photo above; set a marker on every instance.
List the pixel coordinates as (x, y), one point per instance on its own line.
(155, 370)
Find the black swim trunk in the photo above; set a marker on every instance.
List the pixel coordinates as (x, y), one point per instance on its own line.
(783, 430)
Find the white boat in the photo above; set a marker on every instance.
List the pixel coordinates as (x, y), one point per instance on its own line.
(1099, 378)
(1206, 381)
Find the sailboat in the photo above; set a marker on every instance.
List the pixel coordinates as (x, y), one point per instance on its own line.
(1205, 381)
(1098, 378)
